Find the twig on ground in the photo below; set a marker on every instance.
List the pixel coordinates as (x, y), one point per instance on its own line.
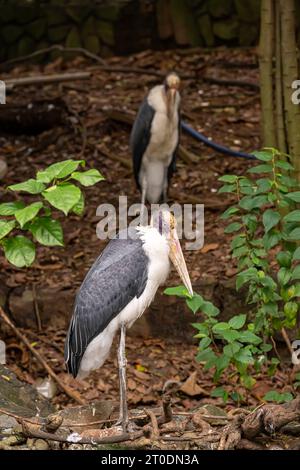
(65, 388)
(154, 424)
(287, 340)
(36, 309)
(42, 79)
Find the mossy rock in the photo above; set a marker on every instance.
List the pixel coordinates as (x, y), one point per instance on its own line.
(248, 34)
(37, 28)
(105, 31)
(78, 13)
(206, 30)
(248, 10)
(55, 16)
(73, 38)
(185, 29)
(7, 13)
(220, 8)
(26, 14)
(88, 27)
(109, 12)
(57, 34)
(226, 29)
(11, 33)
(26, 45)
(92, 44)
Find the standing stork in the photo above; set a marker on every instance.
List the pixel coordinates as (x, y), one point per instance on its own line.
(154, 139)
(118, 288)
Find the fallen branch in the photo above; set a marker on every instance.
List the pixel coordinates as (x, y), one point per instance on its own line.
(42, 79)
(228, 82)
(65, 388)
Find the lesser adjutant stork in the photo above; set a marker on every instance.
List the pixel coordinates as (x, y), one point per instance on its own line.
(116, 291)
(154, 139)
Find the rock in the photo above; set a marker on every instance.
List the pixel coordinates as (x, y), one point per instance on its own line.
(25, 14)
(109, 12)
(7, 422)
(37, 28)
(179, 13)
(40, 444)
(214, 413)
(20, 398)
(3, 168)
(205, 26)
(106, 32)
(21, 305)
(26, 45)
(78, 13)
(248, 34)
(219, 8)
(57, 34)
(73, 38)
(55, 16)
(11, 33)
(92, 44)
(226, 29)
(98, 411)
(164, 20)
(249, 10)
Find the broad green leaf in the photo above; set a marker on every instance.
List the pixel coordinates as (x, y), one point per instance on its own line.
(47, 231)
(231, 349)
(228, 178)
(284, 165)
(220, 392)
(294, 196)
(296, 273)
(238, 321)
(30, 186)
(271, 239)
(227, 188)
(270, 219)
(87, 178)
(263, 155)
(221, 326)
(296, 255)
(63, 197)
(284, 259)
(234, 227)
(28, 213)
(59, 170)
(294, 234)
(79, 207)
(230, 335)
(261, 169)
(9, 208)
(244, 356)
(209, 309)
(272, 395)
(229, 212)
(204, 343)
(19, 251)
(178, 291)
(195, 303)
(6, 227)
(293, 216)
(284, 275)
(238, 241)
(249, 337)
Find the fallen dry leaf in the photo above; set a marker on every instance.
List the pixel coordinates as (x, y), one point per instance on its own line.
(210, 247)
(191, 388)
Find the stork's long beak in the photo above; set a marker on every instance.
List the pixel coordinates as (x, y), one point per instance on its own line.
(177, 258)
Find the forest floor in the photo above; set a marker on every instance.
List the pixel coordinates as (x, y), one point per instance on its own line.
(229, 115)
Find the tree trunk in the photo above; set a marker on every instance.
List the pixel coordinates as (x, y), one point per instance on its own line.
(280, 122)
(289, 74)
(266, 51)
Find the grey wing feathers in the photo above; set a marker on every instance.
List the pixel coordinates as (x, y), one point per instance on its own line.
(117, 276)
(140, 136)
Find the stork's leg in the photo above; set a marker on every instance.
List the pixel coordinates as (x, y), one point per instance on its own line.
(165, 187)
(123, 418)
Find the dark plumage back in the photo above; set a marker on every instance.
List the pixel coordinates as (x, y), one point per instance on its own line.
(117, 276)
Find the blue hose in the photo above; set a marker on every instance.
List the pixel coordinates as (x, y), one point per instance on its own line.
(219, 148)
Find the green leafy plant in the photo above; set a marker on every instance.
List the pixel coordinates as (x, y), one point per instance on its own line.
(265, 223)
(55, 187)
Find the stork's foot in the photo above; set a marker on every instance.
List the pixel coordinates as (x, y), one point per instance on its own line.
(127, 426)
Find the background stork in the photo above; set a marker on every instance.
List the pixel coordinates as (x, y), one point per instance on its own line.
(116, 291)
(154, 139)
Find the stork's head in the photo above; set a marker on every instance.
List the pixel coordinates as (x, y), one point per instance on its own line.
(166, 224)
(172, 84)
